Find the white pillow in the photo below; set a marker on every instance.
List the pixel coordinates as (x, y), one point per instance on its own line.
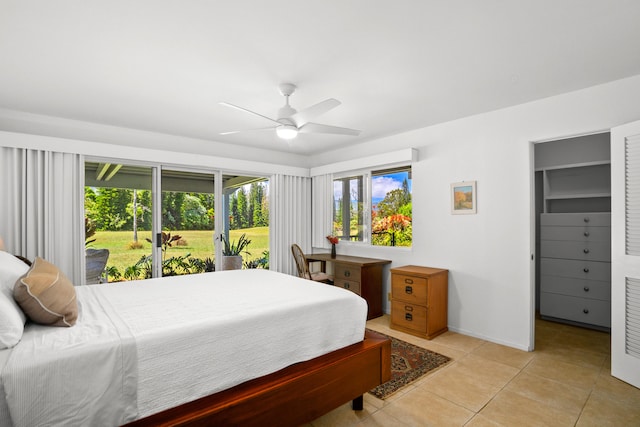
(12, 318)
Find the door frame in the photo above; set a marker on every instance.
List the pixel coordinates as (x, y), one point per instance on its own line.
(532, 224)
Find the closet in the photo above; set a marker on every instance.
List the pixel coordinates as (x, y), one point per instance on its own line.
(573, 230)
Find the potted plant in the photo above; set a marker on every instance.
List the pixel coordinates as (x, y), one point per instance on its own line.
(232, 252)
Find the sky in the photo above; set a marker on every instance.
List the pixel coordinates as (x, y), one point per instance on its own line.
(381, 185)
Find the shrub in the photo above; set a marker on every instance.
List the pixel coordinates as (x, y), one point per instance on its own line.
(135, 245)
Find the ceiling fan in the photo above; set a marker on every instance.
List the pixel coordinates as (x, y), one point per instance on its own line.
(290, 122)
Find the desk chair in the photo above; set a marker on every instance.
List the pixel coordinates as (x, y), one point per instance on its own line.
(303, 267)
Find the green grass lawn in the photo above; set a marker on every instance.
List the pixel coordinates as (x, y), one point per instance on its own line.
(198, 243)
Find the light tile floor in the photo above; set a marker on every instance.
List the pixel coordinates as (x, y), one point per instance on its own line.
(566, 381)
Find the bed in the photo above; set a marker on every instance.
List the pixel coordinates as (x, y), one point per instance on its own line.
(250, 347)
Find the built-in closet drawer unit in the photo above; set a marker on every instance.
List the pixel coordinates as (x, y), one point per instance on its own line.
(575, 268)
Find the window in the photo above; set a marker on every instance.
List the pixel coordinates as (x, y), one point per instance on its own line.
(348, 208)
(386, 195)
(126, 205)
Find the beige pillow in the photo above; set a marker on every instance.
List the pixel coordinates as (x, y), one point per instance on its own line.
(46, 295)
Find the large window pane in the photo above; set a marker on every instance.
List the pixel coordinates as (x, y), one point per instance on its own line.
(391, 217)
(118, 218)
(348, 208)
(187, 222)
(246, 222)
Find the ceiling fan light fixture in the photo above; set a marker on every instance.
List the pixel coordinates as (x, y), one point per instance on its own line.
(287, 131)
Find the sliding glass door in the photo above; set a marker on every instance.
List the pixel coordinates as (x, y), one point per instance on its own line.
(118, 221)
(188, 222)
(146, 221)
(244, 233)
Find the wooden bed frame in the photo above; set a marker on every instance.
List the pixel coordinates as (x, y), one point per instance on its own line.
(292, 396)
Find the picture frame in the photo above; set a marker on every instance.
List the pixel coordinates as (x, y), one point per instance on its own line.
(463, 198)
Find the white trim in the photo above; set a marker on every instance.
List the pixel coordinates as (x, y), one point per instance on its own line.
(400, 156)
(100, 149)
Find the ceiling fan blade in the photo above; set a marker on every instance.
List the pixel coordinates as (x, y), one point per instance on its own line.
(318, 128)
(226, 104)
(245, 130)
(305, 116)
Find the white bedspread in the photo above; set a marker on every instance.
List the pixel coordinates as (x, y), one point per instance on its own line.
(194, 335)
(79, 376)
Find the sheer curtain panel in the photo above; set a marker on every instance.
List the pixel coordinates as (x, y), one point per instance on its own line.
(42, 211)
(290, 219)
(322, 208)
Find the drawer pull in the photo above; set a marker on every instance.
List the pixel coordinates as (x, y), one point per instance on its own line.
(408, 316)
(585, 311)
(346, 286)
(408, 308)
(347, 273)
(586, 251)
(408, 290)
(586, 219)
(408, 281)
(586, 270)
(586, 289)
(586, 234)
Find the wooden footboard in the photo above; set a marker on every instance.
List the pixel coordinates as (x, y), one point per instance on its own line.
(295, 395)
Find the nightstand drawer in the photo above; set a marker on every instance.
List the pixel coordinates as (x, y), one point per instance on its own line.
(409, 316)
(411, 289)
(348, 284)
(347, 272)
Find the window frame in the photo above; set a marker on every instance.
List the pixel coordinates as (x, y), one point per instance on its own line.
(367, 175)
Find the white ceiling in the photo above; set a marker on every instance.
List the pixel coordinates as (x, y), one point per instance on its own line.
(164, 66)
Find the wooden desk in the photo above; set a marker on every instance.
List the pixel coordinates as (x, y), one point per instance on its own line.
(360, 275)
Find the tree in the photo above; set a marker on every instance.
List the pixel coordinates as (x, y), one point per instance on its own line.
(233, 209)
(172, 209)
(194, 214)
(256, 196)
(111, 208)
(242, 218)
(394, 200)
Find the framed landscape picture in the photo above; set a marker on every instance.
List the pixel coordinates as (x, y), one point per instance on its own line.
(463, 197)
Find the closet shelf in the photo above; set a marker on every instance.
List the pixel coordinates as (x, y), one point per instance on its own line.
(576, 196)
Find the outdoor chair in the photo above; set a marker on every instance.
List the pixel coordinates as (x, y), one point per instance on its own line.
(96, 265)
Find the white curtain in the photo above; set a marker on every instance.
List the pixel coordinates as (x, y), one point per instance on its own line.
(42, 209)
(322, 208)
(290, 219)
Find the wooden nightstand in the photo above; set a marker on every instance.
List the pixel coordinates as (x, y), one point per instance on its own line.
(419, 300)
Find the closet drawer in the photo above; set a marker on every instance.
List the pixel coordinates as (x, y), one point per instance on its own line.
(591, 251)
(583, 310)
(576, 219)
(410, 289)
(581, 234)
(593, 289)
(589, 270)
(347, 284)
(347, 272)
(410, 316)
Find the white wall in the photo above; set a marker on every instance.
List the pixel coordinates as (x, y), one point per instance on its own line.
(489, 254)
